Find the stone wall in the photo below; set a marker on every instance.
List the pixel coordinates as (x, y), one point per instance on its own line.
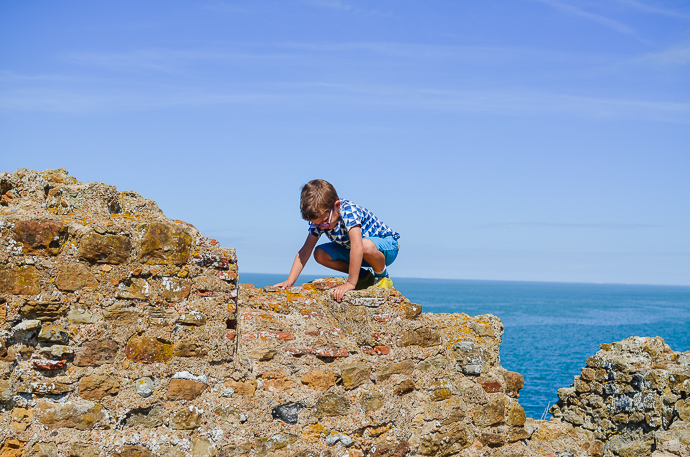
(124, 333)
(634, 396)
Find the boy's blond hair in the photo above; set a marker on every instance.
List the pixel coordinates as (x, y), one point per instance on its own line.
(317, 197)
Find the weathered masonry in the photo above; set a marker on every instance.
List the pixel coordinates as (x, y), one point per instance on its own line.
(124, 333)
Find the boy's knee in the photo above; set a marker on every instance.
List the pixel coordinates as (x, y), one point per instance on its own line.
(369, 248)
(321, 256)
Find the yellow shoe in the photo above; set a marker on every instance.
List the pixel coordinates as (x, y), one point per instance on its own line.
(385, 283)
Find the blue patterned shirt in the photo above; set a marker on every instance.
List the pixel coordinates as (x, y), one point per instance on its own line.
(352, 215)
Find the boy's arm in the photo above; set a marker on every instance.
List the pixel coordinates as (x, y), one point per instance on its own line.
(356, 253)
(300, 261)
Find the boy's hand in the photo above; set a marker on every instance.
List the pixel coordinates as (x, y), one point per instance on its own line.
(283, 285)
(339, 292)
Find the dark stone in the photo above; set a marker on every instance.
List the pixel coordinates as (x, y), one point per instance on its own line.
(288, 412)
(610, 389)
(638, 383)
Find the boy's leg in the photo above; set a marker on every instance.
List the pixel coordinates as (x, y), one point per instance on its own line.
(333, 255)
(326, 258)
(379, 253)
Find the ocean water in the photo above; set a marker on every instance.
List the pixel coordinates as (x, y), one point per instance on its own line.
(550, 328)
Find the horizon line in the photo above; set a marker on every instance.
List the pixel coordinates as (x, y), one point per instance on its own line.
(500, 280)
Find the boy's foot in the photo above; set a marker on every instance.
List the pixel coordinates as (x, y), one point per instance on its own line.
(385, 283)
(365, 281)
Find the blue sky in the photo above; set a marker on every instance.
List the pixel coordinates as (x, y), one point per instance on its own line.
(543, 140)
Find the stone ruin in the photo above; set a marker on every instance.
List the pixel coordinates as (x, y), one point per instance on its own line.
(124, 333)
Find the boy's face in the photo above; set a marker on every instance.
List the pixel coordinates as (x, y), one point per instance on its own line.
(329, 218)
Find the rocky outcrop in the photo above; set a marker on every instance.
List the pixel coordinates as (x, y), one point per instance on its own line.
(633, 396)
(125, 333)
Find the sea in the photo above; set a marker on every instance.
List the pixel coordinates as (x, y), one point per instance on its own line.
(549, 328)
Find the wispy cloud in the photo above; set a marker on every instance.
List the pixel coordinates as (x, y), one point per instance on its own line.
(646, 8)
(158, 60)
(677, 55)
(567, 225)
(612, 24)
(318, 95)
(330, 4)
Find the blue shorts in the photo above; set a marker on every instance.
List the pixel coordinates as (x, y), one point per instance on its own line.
(388, 245)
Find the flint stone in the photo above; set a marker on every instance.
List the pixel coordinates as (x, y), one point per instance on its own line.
(40, 237)
(334, 437)
(148, 350)
(80, 415)
(75, 276)
(19, 280)
(469, 357)
(184, 389)
(354, 375)
(109, 249)
(163, 244)
(288, 412)
(332, 404)
(95, 353)
(98, 387)
(144, 387)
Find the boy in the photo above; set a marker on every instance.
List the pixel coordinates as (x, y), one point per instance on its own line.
(358, 239)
